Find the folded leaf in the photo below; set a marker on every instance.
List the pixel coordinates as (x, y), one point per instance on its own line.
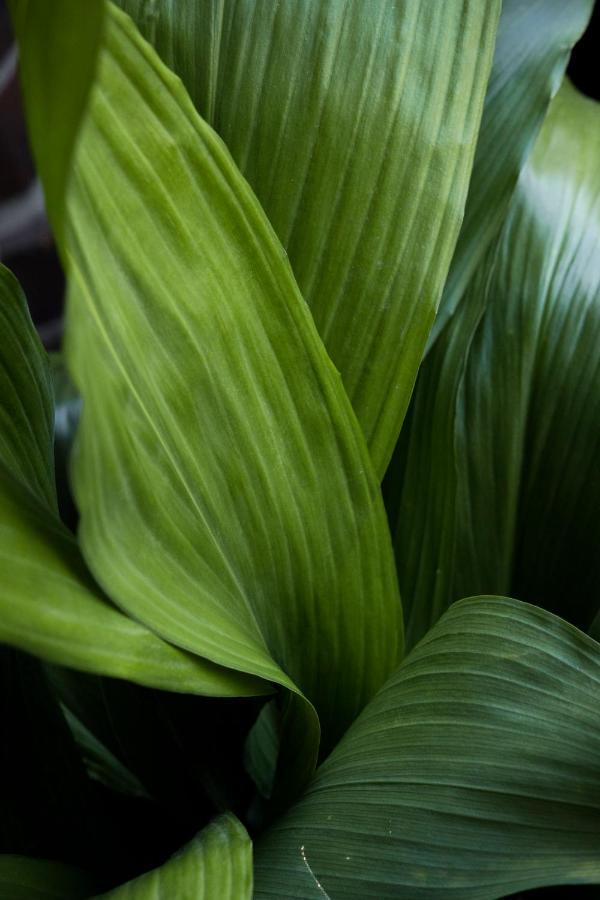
(355, 123)
(226, 494)
(216, 864)
(49, 604)
(56, 67)
(532, 51)
(498, 476)
(474, 773)
(38, 879)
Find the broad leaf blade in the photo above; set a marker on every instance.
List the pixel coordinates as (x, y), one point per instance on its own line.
(497, 476)
(226, 493)
(217, 863)
(355, 124)
(56, 68)
(49, 604)
(532, 51)
(474, 773)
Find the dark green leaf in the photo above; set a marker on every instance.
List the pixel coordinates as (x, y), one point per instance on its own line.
(474, 773)
(499, 481)
(532, 50)
(37, 879)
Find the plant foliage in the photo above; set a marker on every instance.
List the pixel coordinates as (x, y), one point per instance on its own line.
(331, 341)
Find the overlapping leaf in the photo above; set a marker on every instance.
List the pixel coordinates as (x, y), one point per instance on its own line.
(49, 605)
(473, 774)
(355, 123)
(225, 489)
(216, 864)
(56, 67)
(532, 50)
(499, 487)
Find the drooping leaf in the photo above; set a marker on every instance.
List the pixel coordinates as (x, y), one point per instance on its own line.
(56, 68)
(226, 493)
(355, 123)
(216, 864)
(22, 878)
(499, 487)
(474, 773)
(49, 604)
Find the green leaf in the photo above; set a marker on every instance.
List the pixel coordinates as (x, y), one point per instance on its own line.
(26, 408)
(474, 773)
(226, 494)
(49, 604)
(532, 51)
(355, 123)
(37, 879)
(56, 68)
(216, 864)
(262, 747)
(498, 479)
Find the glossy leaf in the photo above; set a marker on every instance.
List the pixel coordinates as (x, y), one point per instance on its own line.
(498, 484)
(22, 878)
(474, 773)
(355, 123)
(532, 50)
(217, 863)
(225, 489)
(49, 604)
(56, 67)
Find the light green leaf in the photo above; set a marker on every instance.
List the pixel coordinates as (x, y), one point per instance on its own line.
(474, 773)
(56, 67)
(355, 123)
(38, 879)
(532, 51)
(49, 604)
(499, 487)
(216, 864)
(226, 494)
